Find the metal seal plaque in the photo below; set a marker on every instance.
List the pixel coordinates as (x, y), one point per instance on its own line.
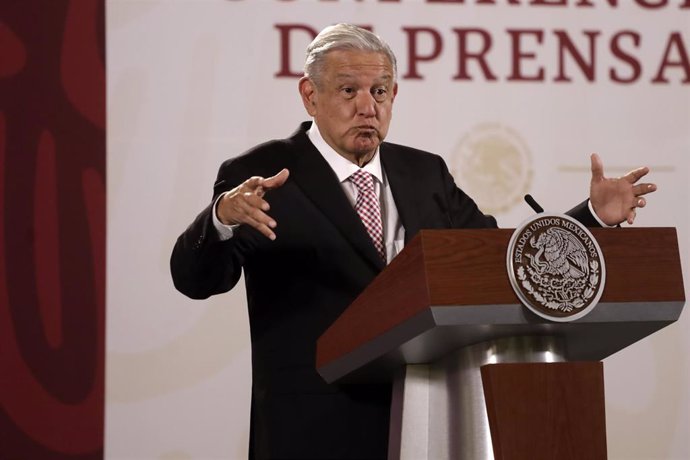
(556, 267)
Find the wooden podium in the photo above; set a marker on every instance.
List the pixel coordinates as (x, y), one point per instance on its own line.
(475, 374)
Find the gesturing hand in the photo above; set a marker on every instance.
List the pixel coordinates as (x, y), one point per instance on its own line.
(245, 204)
(616, 199)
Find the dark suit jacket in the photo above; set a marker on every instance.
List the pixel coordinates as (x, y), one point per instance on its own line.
(300, 283)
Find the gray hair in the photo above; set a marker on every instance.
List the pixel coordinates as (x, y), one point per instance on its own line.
(344, 37)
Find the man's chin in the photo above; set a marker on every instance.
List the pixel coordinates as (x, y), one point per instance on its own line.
(366, 144)
(365, 151)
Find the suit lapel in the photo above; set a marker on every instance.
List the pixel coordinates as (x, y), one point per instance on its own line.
(312, 173)
(401, 180)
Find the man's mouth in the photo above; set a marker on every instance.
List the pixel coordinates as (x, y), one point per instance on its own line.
(366, 129)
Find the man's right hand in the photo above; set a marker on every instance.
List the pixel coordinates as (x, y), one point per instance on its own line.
(245, 204)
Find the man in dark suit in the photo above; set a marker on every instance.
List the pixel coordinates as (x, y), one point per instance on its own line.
(295, 216)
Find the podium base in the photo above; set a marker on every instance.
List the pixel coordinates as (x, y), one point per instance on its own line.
(439, 411)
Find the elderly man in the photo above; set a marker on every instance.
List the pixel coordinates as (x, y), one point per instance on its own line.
(311, 220)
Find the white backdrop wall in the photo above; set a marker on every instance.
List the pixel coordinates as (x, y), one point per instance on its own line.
(191, 83)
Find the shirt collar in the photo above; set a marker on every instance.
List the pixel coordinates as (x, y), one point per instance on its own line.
(342, 167)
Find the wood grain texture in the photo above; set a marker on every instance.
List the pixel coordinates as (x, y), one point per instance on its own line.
(546, 410)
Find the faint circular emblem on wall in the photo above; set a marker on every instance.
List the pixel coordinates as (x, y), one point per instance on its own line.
(492, 164)
(556, 267)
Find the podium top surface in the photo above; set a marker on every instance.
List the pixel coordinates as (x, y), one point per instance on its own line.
(449, 289)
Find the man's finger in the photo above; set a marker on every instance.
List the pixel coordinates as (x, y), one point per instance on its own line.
(643, 189)
(254, 200)
(249, 213)
(597, 167)
(254, 217)
(277, 180)
(252, 183)
(261, 227)
(235, 206)
(636, 174)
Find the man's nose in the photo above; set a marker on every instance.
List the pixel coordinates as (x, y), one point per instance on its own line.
(366, 104)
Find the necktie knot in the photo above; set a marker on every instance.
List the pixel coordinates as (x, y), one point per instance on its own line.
(363, 181)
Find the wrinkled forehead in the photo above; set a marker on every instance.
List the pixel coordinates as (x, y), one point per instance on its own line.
(355, 63)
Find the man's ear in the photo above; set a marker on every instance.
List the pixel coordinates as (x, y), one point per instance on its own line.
(395, 91)
(308, 92)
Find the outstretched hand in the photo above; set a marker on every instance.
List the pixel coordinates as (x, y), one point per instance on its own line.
(616, 200)
(245, 203)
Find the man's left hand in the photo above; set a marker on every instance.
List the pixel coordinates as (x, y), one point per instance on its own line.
(616, 199)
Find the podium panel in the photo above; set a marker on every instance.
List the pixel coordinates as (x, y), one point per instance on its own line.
(543, 411)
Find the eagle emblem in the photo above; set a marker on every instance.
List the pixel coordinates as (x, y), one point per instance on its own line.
(556, 267)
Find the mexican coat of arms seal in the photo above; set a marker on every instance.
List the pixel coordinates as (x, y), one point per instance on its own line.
(556, 267)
